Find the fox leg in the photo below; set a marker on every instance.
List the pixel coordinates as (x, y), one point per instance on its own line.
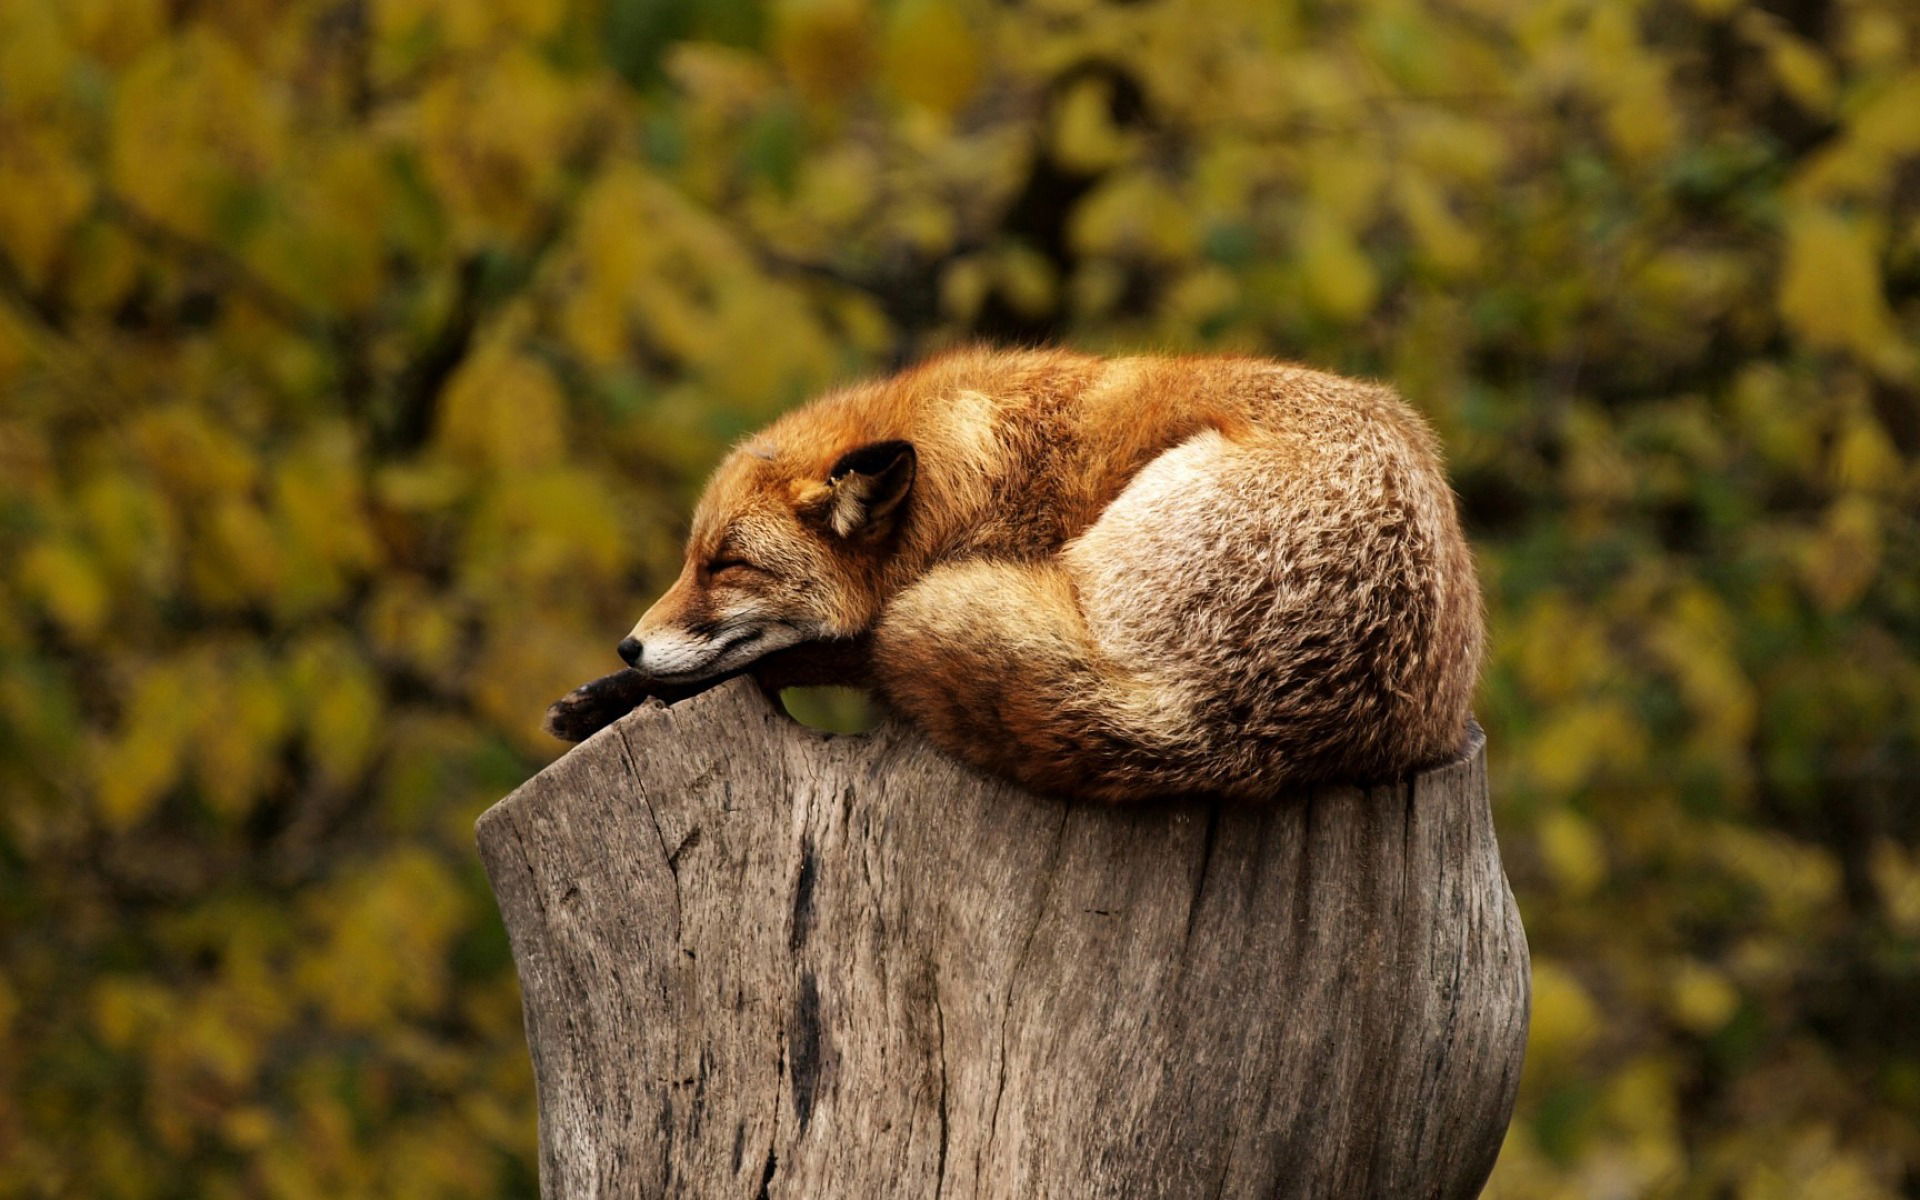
(593, 706)
(815, 664)
(994, 661)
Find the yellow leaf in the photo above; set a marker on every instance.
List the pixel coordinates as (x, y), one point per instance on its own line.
(1796, 880)
(825, 45)
(413, 623)
(341, 708)
(1345, 186)
(1133, 212)
(1863, 163)
(1340, 280)
(1875, 38)
(16, 351)
(863, 322)
(115, 31)
(1830, 287)
(126, 1007)
(768, 343)
(104, 264)
(502, 409)
(1579, 740)
(1454, 147)
(932, 57)
(214, 1042)
(384, 931)
(1596, 470)
(194, 128)
(237, 558)
(68, 586)
(321, 517)
(1096, 288)
(133, 528)
(551, 531)
(1864, 458)
(1631, 78)
(1027, 281)
(1896, 876)
(1840, 561)
(323, 240)
(247, 1127)
(1084, 135)
(1200, 296)
(1694, 637)
(963, 288)
(1802, 71)
(1885, 123)
(34, 55)
(1573, 852)
(1641, 1102)
(43, 194)
(145, 759)
(1565, 1020)
(243, 719)
(1447, 241)
(191, 455)
(594, 322)
(494, 140)
(1701, 998)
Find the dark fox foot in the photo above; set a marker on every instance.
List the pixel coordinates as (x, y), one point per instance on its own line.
(591, 707)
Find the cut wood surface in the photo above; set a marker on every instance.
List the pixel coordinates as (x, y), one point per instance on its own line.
(758, 960)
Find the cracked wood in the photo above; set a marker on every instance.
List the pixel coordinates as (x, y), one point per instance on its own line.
(761, 961)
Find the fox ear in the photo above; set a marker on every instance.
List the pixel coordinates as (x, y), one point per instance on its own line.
(866, 487)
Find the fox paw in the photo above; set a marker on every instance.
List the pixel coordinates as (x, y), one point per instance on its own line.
(591, 707)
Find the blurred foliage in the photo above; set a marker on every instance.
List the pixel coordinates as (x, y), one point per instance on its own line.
(359, 359)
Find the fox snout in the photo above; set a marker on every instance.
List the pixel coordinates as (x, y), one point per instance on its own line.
(681, 656)
(674, 654)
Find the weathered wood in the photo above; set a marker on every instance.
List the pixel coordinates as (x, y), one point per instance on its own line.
(758, 960)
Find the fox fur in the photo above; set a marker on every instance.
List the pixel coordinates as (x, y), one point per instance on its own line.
(1108, 578)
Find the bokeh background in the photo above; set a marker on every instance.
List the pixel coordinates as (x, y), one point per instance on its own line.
(359, 360)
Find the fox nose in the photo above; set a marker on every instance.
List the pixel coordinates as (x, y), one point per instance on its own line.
(629, 649)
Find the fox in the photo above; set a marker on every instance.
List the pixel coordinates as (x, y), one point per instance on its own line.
(1107, 578)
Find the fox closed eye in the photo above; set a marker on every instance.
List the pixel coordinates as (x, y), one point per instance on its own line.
(721, 565)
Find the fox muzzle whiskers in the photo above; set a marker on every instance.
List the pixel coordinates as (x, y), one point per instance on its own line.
(683, 656)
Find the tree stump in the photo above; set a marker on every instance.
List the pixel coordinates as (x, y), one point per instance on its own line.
(763, 961)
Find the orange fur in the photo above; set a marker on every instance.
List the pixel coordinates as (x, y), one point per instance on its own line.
(1113, 578)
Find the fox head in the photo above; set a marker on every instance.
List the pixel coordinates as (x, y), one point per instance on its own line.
(781, 552)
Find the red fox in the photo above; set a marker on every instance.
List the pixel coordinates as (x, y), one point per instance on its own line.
(1105, 578)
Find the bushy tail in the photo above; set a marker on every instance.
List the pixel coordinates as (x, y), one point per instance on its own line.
(995, 662)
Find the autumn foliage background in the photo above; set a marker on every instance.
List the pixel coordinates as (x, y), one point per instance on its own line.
(359, 360)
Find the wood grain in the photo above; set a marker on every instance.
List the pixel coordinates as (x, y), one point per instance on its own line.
(761, 961)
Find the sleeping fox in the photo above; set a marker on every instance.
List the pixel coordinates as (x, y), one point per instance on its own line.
(1107, 578)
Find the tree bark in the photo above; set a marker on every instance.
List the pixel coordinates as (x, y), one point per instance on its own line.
(762, 961)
